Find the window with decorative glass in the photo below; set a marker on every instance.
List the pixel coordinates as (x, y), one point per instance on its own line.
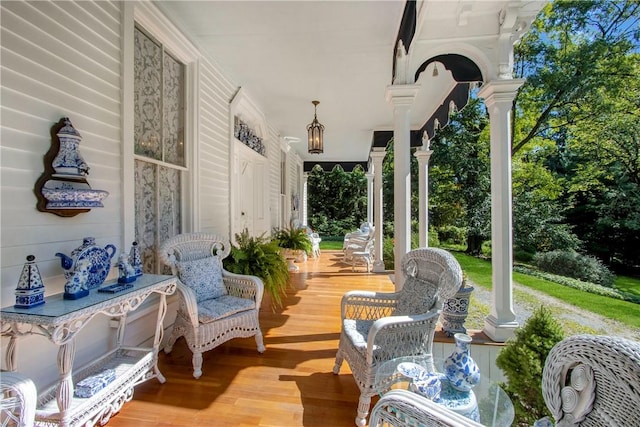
(159, 99)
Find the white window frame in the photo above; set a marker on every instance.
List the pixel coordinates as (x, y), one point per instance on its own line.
(155, 23)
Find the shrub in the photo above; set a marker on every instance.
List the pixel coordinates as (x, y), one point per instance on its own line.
(522, 255)
(387, 253)
(579, 284)
(573, 264)
(434, 239)
(452, 234)
(388, 246)
(522, 361)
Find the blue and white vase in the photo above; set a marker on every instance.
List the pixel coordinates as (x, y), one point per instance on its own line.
(460, 369)
(135, 259)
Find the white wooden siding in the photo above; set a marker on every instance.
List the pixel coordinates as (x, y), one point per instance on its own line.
(274, 153)
(215, 92)
(58, 59)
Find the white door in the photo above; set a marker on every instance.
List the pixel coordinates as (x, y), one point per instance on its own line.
(246, 195)
(251, 198)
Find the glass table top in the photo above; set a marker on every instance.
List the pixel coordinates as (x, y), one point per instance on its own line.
(486, 403)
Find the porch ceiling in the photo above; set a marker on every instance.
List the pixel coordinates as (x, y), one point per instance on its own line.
(288, 53)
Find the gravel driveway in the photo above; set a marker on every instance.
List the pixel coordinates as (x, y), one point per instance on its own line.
(526, 300)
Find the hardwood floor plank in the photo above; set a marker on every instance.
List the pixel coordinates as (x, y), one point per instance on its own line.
(289, 385)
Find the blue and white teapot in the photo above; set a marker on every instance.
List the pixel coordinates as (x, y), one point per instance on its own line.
(100, 259)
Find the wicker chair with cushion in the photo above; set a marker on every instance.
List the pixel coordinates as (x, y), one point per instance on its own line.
(403, 408)
(377, 327)
(215, 305)
(593, 380)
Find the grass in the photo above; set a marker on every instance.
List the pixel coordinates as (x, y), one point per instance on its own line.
(628, 284)
(479, 271)
(331, 245)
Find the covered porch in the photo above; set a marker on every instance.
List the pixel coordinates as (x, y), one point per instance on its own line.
(291, 383)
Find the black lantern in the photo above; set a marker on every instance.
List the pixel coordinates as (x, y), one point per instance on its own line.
(315, 130)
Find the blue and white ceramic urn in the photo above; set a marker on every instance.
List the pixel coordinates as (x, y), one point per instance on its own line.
(460, 369)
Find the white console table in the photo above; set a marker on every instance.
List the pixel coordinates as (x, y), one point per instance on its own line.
(60, 321)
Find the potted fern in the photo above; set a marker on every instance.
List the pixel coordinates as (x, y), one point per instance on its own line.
(295, 242)
(260, 257)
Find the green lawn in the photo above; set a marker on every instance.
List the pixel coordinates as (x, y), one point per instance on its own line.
(479, 272)
(628, 284)
(331, 245)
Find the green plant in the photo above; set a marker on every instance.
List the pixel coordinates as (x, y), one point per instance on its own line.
(387, 253)
(452, 234)
(260, 257)
(522, 361)
(580, 285)
(573, 264)
(293, 238)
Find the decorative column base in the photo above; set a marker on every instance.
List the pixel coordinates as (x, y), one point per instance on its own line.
(378, 267)
(499, 332)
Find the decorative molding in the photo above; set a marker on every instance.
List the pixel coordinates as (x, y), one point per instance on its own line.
(245, 134)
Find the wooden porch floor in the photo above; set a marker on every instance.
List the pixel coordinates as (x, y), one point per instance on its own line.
(290, 384)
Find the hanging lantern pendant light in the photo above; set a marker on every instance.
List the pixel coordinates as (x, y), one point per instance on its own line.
(315, 130)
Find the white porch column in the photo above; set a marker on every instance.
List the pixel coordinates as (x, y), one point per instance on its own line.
(369, 197)
(376, 158)
(498, 97)
(305, 208)
(402, 97)
(423, 155)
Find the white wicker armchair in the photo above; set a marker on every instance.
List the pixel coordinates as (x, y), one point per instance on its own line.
(377, 327)
(593, 380)
(216, 305)
(403, 408)
(19, 399)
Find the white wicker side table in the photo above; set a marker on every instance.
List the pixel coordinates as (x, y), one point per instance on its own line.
(60, 321)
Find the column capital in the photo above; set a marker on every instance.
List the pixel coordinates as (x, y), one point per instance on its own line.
(423, 156)
(401, 95)
(500, 90)
(377, 156)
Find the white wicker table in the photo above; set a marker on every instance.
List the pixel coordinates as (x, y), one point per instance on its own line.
(487, 403)
(60, 321)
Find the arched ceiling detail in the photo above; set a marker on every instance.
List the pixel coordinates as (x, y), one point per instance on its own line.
(462, 68)
(328, 166)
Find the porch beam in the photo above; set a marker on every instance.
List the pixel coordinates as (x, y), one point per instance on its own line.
(401, 96)
(498, 96)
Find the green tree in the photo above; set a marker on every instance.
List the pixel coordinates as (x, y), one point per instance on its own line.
(539, 223)
(337, 200)
(460, 176)
(388, 193)
(577, 117)
(575, 52)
